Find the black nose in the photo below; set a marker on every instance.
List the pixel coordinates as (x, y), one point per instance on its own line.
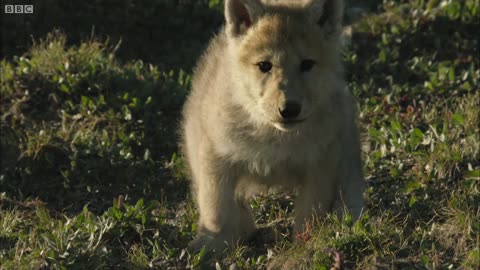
(291, 110)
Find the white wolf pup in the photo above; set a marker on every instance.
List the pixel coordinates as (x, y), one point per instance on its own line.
(269, 108)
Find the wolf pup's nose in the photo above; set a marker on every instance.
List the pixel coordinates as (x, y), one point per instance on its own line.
(291, 110)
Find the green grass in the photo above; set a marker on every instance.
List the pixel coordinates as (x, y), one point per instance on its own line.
(90, 175)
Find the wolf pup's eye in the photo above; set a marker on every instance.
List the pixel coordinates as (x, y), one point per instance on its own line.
(264, 66)
(307, 65)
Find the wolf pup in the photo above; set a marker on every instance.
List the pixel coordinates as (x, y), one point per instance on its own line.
(269, 108)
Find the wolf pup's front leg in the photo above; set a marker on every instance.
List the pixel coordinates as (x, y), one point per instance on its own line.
(316, 199)
(224, 217)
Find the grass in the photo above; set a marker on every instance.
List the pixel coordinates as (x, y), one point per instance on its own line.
(90, 175)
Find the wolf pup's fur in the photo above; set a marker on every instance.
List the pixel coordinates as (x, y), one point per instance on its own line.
(269, 107)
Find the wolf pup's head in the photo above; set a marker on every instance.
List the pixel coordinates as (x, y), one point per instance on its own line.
(284, 57)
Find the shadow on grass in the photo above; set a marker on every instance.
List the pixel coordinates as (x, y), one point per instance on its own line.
(149, 30)
(66, 181)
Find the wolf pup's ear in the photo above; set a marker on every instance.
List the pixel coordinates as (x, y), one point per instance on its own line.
(328, 14)
(241, 14)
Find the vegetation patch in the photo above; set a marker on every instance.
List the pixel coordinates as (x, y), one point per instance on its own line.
(91, 175)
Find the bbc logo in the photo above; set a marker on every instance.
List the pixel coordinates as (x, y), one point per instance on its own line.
(19, 9)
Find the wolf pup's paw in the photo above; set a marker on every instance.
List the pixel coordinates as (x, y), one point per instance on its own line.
(210, 242)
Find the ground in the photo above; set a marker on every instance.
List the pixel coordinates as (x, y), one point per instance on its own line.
(91, 175)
